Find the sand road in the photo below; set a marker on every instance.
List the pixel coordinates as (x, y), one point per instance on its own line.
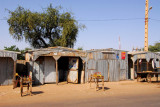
(116, 94)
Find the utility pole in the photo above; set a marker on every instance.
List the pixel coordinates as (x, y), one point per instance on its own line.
(146, 26)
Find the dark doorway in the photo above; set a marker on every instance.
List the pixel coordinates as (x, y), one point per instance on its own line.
(130, 67)
(64, 69)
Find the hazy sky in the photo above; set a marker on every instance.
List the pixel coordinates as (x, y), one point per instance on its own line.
(97, 15)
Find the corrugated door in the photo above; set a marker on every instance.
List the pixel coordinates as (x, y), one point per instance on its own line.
(6, 71)
(38, 75)
(49, 70)
(114, 70)
(3, 73)
(91, 68)
(103, 68)
(123, 70)
(10, 70)
(73, 73)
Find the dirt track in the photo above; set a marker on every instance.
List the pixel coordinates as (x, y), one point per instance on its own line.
(124, 93)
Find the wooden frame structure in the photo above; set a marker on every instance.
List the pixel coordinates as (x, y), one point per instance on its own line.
(140, 55)
(56, 53)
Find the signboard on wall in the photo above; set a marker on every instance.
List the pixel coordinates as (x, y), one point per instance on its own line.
(123, 55)
(73, 63)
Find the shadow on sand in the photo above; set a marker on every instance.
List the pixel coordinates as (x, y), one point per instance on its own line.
(105, 88)
(33, 93)
(37, 92)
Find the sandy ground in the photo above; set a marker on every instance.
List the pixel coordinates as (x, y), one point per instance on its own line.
(116, 94)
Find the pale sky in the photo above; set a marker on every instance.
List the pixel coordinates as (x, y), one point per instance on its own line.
(102, 31)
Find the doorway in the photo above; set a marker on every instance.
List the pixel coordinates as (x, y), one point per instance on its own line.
(70, 69)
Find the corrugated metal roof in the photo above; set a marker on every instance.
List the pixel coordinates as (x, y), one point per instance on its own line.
(143, 52)
(12, 54)
(57, 48)
(107, 49)
(137, 52)
(56, 51)
(10, 51)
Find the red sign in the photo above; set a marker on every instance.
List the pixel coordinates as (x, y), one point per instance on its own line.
(123, 55)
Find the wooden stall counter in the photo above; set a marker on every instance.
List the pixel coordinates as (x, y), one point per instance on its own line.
(147, 75)
(96, 77)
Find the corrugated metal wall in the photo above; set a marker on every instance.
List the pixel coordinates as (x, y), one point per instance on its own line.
(123, 70)
(49, 70)
(44, 71)
(38, 75)
(6, 70)
(103, 68)
(111, 67)
(114, 70)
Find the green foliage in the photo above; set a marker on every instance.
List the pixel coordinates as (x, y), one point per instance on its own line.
(80, 48)
(16, 49)
(44, 29)
(12, 48)
(155, 47)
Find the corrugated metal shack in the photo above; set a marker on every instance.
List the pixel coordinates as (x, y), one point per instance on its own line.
(56, 64)
(113, 64)
(141, 61)
(7, 66)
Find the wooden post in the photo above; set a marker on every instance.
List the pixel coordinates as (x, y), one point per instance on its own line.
(133, 71)
(83, 72)
(56, 72)
(157, 77)
(56, 59)
(14, 77)
(137, 65)
(108, 71)
(103, 83)
(147, 65)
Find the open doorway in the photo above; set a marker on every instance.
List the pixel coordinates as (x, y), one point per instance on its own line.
(130, 68)
(70, 69)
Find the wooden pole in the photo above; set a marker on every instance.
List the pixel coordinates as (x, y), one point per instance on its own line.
(83, 72)
(14, 73)
(137, 65)
(147, 65)
(56, 72)
(108, 71)
(146, 27)
(133, 71)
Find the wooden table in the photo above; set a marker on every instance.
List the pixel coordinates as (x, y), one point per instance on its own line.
(26, 82)
(96, 79)
(147, 75)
